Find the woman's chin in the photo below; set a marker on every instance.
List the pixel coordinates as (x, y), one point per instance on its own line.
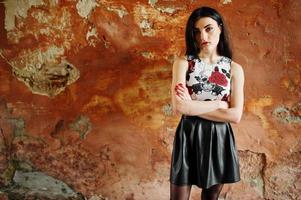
(206, 48)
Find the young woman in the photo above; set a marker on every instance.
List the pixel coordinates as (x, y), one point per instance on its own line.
(207, 89)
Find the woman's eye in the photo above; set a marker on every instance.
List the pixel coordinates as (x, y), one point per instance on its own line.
(208, 29)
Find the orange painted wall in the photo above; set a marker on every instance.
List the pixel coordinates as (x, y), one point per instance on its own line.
(85, 93)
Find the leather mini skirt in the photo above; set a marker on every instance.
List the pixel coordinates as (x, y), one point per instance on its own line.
(204, 153)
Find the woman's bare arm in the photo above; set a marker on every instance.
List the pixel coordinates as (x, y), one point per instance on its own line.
(188, 106)
(234, 112)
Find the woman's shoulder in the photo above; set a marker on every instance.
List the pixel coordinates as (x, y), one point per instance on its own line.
(236, 69)
(181, 58)
(180, 64)
(181, 61)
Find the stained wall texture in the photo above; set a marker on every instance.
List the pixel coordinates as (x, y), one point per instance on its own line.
(85, 97)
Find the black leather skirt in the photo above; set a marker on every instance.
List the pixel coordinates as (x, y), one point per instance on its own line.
(204, 153)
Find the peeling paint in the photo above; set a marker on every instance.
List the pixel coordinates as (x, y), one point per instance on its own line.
(53, 2)
(98, 197)
(54, 23)
(84, 7)
(296, 109)
(142, 19)
(42, 185)
(168, 10)
(226, 1)
(170, 130)
(7, 175)
(151, 21)
(152, 2)
(92, 36)
(50, 80)
(42, 17)
(120, 11)
(23, 165)
(146, 28)
(286, 115)
(42, 71)
(167, 110)
(18, 9)
(147, 54)
(19, 127)
(82, 125)
(32, 60)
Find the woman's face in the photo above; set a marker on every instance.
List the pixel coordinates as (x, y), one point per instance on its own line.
(207, 33)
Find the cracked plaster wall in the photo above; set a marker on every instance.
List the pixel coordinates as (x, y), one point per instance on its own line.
(85, 96)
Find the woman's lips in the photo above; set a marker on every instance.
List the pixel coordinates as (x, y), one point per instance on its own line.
(205, 43)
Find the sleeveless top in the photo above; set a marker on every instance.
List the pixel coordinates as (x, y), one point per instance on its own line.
(207, 82)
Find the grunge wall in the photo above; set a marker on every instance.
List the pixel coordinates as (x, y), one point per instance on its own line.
(85, 97)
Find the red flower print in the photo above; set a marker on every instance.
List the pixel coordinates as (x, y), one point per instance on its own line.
(191, 65)
(218, 78)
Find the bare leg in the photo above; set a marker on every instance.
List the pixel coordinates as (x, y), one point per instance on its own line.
(179, 192)
(212, 193)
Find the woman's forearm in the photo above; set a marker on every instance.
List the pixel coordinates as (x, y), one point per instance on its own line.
(223, 115)
(195, 108)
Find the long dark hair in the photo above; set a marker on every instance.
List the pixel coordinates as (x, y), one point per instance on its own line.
(192, 48)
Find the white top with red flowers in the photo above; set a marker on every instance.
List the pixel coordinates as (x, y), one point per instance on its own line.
(207, 82)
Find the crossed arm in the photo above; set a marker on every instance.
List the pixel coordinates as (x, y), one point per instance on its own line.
(221, 111)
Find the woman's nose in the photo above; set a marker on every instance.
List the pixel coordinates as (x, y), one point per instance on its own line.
(204, 37)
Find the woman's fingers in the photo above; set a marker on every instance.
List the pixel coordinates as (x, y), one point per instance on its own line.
(184, 96)
(179, 98)
(186, 93)
(181, 95)
(179, 87)
(182, 92)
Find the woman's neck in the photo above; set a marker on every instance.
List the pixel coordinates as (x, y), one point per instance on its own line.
(209, 57)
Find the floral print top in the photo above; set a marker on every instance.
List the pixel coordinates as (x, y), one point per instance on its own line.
(207, 82)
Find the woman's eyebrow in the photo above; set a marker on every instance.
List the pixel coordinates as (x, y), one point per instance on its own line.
(207, 25)
(196, 28)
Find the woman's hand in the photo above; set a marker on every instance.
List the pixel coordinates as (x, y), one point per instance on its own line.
(182, 92)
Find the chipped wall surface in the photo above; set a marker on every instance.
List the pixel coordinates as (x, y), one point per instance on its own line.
(85, 97)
